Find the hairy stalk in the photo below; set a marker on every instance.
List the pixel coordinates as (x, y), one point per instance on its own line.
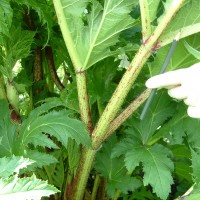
(80, 181)
(126, 113)
(38, 71)
(146, 24)
(95, 187)
(80, 75)
(52, 68)
(12, 95)
(130, 76)
(67, 35)
(87, 157)
(84, 100)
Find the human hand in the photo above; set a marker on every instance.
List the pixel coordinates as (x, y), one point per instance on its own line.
(181, 84)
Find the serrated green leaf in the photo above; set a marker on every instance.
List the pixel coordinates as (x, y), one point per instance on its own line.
(187, 20)
(8, 131)
(113, 169)
(10, 165)
(43, 141)
(41, 159)
(160, 110)
(180, 59)
(103, 26)
(16, 45)
(156, 165)
(44, 10)
(192, 50)
(25, 188)
(173, 130)
(6, 14)
(55, 123)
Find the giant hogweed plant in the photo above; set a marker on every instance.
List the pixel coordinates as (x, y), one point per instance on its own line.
(70, 123)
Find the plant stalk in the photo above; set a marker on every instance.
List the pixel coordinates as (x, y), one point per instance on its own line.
(127, 112)
(80, 75)
(130, 76)
(146, 23)
(95, 187)
(84, 100)
(52, 68)
(80, 181)
(67, 35)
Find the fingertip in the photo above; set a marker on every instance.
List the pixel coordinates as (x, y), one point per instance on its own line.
(149, 83)
(193, 112)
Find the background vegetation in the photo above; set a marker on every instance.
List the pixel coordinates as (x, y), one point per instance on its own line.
(72, 77)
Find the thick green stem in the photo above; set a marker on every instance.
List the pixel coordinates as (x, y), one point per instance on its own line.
(80, 75)
(95, 187)
(67, 35)
(84, 100)
(146, 23)
(12, 95)
(52, 68)
(130, 76)
(127, 112)
(81, 178)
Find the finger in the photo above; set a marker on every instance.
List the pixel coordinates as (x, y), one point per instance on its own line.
(193, 112)
(167, 79)
(178, 92)
(193, 100)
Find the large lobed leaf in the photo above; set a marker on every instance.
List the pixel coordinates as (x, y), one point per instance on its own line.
(100, 28)
(160, 110)
(187, 20)
(113, 169)
(181, 57)
(41, 159)
(11, 165)
(55, 123)
(25, 188)
(157, 165)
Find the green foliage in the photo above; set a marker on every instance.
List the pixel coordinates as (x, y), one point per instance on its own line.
(180, 59)
(6, 15)
(25, 188)
(14, 46)
(55, 123)
(42, 137)
(157, 166)
(8, 131)
(184, 22)
(11, 186)
(93, 28)
(192, 51)
(114, 171)
(11, 165)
